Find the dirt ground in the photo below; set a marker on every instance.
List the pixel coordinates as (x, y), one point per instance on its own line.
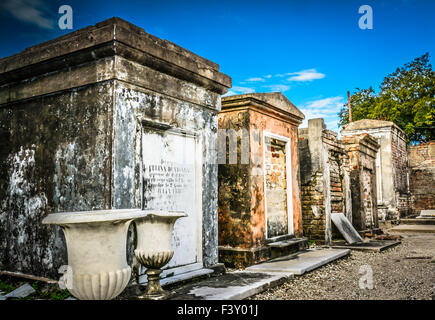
(405, 272)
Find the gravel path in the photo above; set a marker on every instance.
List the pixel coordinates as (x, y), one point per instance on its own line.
(405, 272)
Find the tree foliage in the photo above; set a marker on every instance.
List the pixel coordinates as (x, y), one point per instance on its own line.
(406, 97)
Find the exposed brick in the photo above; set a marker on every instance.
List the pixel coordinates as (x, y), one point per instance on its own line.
(422, 177)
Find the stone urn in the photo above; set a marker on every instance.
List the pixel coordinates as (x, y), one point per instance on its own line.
(96, 244)
(154, 250)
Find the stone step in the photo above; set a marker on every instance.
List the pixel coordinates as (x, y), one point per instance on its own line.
(235, 285)
(427, 221)
(286, 247)
(416, 228)
(302, 262)
(427, 214)
(190, 275)
(369, 245)
(186, 276)
(279, 238)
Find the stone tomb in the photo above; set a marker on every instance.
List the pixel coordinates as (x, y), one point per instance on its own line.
(259, 204)
(325, 179)
(391, 165)
(362, 150)
(107, 117)
(337, 176)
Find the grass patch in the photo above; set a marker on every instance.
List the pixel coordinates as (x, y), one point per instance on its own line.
(6, 287)
(43, 290)
(311, 243)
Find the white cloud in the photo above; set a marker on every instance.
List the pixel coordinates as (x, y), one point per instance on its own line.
(268, 76)
(255, 80)
(278, 87)
(331, 103)
(334, 126)
(31, 11)
(243, 89)
(229, 93)
(305, 75)
(239, 90)
(327, 109)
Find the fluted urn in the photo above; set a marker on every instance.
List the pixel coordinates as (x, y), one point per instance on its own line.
(154, 250)
(96, 244)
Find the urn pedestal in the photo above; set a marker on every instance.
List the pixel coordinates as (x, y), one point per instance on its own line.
(96, 244)
(154, 250)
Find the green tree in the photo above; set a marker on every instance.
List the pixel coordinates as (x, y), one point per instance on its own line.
(406, 97)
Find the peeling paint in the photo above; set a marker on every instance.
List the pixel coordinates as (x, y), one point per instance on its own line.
(55, 159)
(28, 204)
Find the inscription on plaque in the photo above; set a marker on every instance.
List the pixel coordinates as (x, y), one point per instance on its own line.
(169, 183)
(165, 184)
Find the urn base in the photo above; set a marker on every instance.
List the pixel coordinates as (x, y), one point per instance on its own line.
(153, 290)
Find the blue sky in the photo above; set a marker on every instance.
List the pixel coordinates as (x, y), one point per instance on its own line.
(311, 51)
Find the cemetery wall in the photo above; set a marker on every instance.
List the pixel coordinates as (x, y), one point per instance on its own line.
(422, 177)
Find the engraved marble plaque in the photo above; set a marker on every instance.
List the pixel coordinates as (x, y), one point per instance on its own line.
(169, 183)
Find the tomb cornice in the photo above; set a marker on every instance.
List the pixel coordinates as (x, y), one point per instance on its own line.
(249, 101)
(269, 111)
(371, 125)
(105, 40)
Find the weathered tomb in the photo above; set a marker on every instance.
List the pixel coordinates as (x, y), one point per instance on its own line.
(259, 199)
(325, 179)
(362, 151)
(422, 177)
(391, 165)
(107, 117)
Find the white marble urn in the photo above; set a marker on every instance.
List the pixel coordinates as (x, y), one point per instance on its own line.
(96, 244)
(154, 250)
